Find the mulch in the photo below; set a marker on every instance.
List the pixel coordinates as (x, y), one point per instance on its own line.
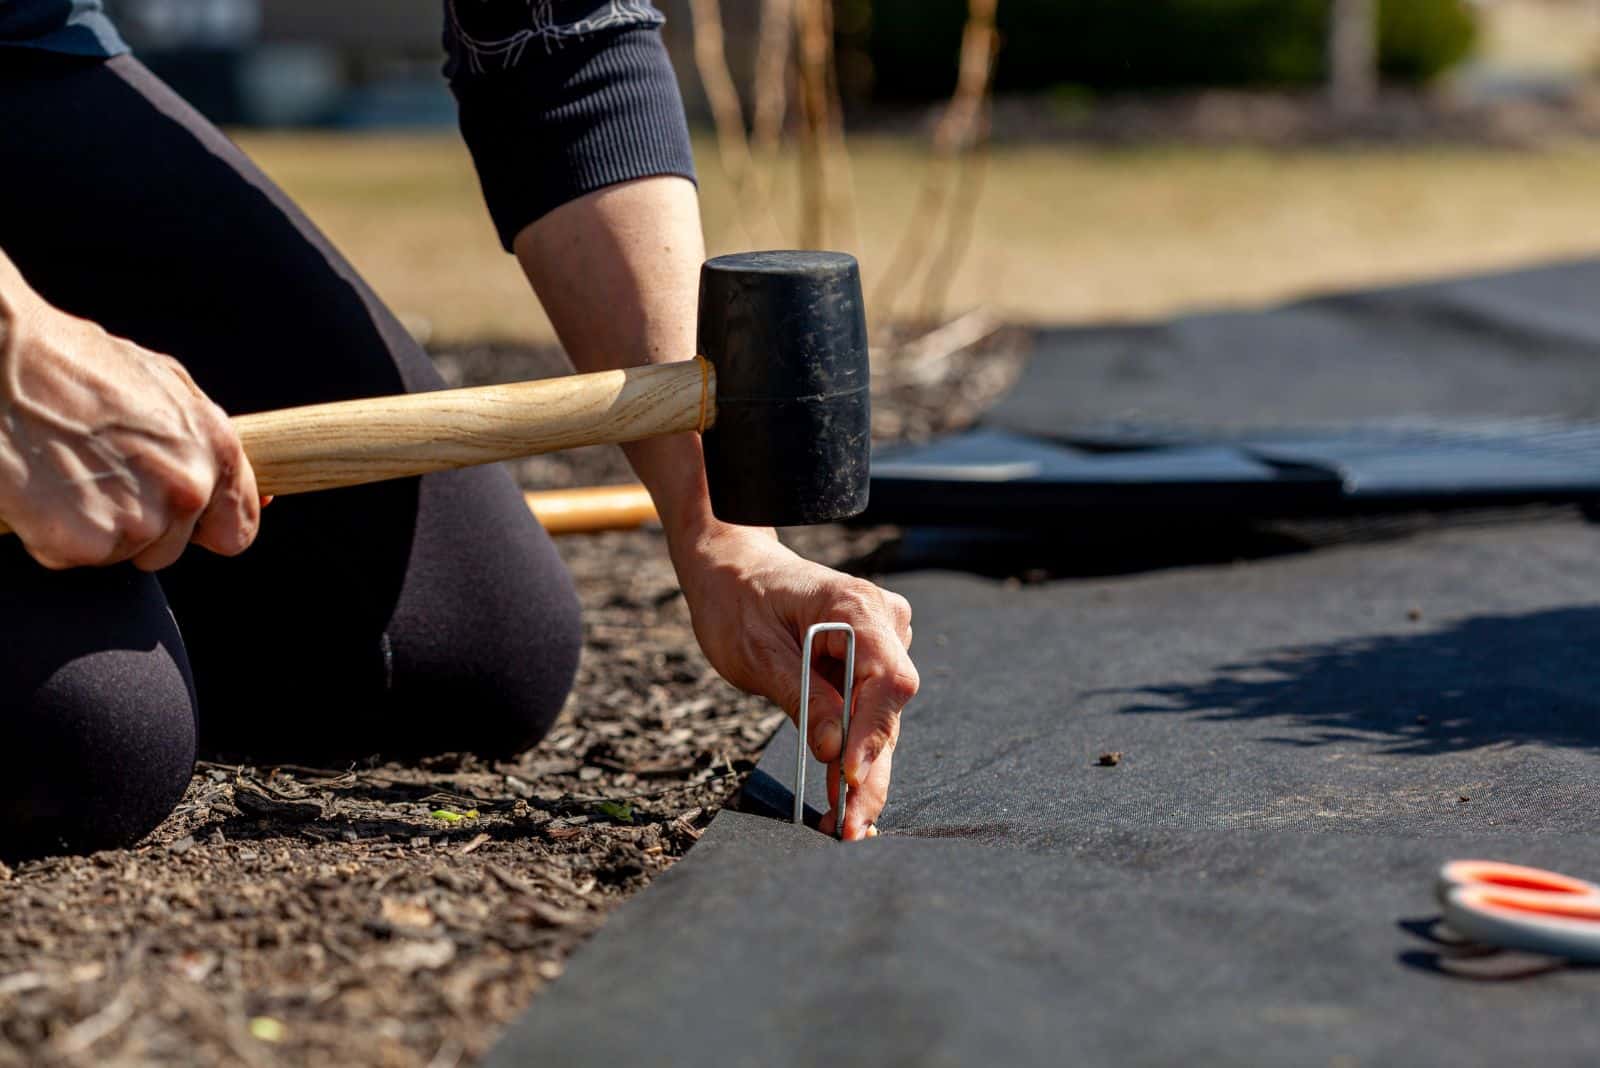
(402, 914)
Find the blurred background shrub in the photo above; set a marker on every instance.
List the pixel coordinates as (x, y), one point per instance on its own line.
(910, 45)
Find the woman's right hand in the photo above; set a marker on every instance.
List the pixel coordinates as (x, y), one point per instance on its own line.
(108, 451)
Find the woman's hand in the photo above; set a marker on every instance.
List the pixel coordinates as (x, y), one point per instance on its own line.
(108, 451)
(752, 599)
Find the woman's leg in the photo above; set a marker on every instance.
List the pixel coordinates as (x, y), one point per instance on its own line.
(97, 717)
(411, 616)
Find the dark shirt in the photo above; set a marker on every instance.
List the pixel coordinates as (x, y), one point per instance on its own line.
(559, 98)
(76, 27)
(482, 36)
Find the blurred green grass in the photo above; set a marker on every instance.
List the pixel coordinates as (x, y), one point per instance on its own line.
(1060, 234)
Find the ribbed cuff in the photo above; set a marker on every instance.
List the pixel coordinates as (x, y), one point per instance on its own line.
(593, 112)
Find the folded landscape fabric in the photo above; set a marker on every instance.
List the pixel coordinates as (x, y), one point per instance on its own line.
(998, 478)
(1465, 393)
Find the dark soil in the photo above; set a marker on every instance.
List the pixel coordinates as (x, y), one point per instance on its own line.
(392, 914)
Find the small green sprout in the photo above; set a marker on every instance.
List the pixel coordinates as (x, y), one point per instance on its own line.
(267, 1029)
(621, 811)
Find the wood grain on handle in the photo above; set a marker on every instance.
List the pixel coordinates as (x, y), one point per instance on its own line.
(351, 442)
(347, 443)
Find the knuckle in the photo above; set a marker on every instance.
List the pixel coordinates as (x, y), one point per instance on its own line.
(224, 436)
(175, 369)
(859, 595)
(902, 685)
(166, 362)
(899, 606)
(187, 493)
(868, 591)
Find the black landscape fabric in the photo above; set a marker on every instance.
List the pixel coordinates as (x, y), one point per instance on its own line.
(1522, 344)
(1303, 741)
(1191, 815)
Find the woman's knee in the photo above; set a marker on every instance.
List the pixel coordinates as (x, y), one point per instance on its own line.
(499, 678)
(487, 634)
(97, 715)
(96, 755)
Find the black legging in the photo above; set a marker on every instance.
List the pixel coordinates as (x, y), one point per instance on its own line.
(422, 615)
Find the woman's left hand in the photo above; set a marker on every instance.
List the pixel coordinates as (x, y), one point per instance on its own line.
(752, 599)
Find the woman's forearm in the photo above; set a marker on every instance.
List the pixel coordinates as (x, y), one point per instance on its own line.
(618, 272)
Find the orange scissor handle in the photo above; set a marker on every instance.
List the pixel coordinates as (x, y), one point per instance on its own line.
(1516, 907)
(1495, 873)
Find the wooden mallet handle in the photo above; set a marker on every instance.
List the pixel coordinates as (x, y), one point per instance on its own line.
(592, 508)
(348, 443)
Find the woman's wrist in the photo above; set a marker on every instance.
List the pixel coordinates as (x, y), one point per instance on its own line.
(673, 469)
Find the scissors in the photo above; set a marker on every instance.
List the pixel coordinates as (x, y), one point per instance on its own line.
(1513, 907)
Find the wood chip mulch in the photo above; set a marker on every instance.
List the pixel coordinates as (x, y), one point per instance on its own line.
(402, 914)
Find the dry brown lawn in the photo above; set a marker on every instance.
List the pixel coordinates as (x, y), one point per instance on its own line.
(1059, 235)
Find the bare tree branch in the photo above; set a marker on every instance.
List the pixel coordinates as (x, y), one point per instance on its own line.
(774, 53)
(815, 45)
(711, 60)
(963, 126)
(1352, 55)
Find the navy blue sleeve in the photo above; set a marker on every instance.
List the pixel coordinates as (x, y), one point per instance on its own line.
(560, 98)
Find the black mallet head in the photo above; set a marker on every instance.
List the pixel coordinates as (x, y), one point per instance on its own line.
(787, 334)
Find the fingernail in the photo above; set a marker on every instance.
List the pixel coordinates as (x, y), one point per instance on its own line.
(266, 500)
(827, 741)
(872, 830)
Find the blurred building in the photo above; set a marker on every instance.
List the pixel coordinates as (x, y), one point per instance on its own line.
(362, 63)
(348, 63)
(292, 62)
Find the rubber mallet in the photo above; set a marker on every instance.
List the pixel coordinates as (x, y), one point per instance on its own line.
(780, 391)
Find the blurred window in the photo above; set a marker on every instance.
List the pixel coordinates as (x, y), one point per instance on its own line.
(173, 24)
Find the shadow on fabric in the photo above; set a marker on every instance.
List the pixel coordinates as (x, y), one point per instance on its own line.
(1451, 957)
(1486, 681)
(1111, 546)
